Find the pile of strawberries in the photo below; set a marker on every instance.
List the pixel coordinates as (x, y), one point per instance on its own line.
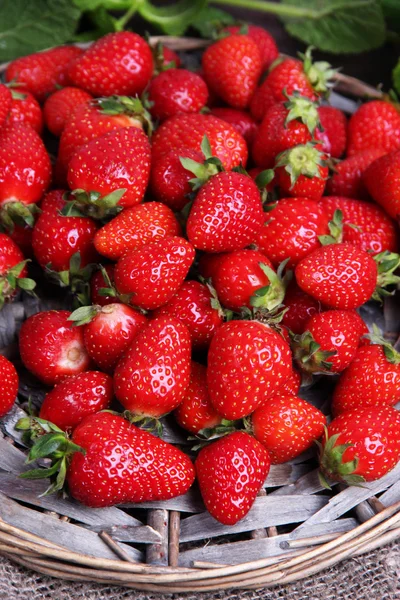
(200, 289)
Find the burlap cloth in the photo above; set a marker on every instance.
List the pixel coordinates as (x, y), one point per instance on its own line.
(374, 576)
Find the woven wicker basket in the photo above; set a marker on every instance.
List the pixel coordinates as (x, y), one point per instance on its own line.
(292, 532)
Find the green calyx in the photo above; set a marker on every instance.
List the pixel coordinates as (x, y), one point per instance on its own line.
(335, 230)
(84, 315)
(387, 263)
(80, 203)
(205, 436)
(76, 279)
(202, 171)
(133, 107)
(304, 110)
(150, 424)
(390, 353)
(319, 73)
(304, 159)
(10, 282)
(309, 356)
(17, 213)
(272, 295)
(332, 465)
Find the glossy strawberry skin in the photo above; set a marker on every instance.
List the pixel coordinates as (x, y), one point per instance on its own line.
(292, 230)
(196, 412)
(247, 363)
(59, 107)
(287, 426)
(240, 120)
(155, 272)
(152, 377)
(119, 63)
(148, 468)
(25, 109)
(370, 381)
(374, 231)
(5, 103)
(110, 333)
(227, 214)
(97, 282)
(232, 67)
(264, 40)
(188, 130)
(176, 91)
(347, 180)
(230, 472)
(51, 348)
(375, 124)
(192, 306)
(25, 169)
(8, 385)
(333, 136)
(135, 227)
(77, 397)
(56, 239)
(339, 275)
(116, 160)
(291, 385)
(301, 307)
(10, 255)
(311, 188)
(381, 180)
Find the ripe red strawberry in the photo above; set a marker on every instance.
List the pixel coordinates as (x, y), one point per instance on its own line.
(152, 377)
(154, 273)
(287, 426)
(176, 91)
(364, 224)
(291, 385)
(8, 385)
(187, 131)
(56, 239)
(5, 103)
(114, 161)
(347, 179)
(77, 397)
(135, 227)
(301, 307)
(264, 40)
(13, 269)
(333, 136)
(375, 124)
(25, 109)
(98, 282)
(232, 67)
(230, 472)
(22, 236)
(302, 171)
(382, 182)
(148, 468)
(227, 213)
(119, 63)
(240, 120)
(193, 305)
(108, 331)
(169, 180)
(292, 230)
(372, 379)
(247, 363)
(51, 348)
(167, 57)
(196, 412)
(59, 107)
(209, 263)
(361, 445)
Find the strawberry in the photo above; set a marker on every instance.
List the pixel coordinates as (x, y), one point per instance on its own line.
(347, 178)
(208, 264)
(135, 227)
(108, 331)
(375, 124)
(119, 160)
(302, 171)
(51, 348)
(333, 136)
(286, 426)
(152, 377)
(118, 63)
(240, 120)
(196, 412)
(59, 107)
(8, 385)
(226, 215)
(293, 230)
(264, 40)
(13, 271)
(381, 181)
(77, 397)
(56, 239)
(371, 380)
(300, 308)
(98, 282)
(25, 109)
(5, 103)
(22, 236)
(291, 386)
(194, 305)
(41, 73)
(154, 273)
(176, 91)
(364, 224)
(165, 58)
(247, 363)
(230, 472)
(361, 445)
(169, 180)
(232, 67)
(186, 131)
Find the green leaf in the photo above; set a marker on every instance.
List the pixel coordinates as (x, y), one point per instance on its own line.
(173, 19)
(340, 26)
(27, 26)
(391, 11)
(209, 21)
(107, 4)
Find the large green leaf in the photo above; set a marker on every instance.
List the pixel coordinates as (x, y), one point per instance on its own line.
(27, 26)
(210, 20)
(173, 19)
(391, 10)
(85, 5)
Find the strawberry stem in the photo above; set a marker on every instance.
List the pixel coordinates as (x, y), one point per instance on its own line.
(304, 159)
